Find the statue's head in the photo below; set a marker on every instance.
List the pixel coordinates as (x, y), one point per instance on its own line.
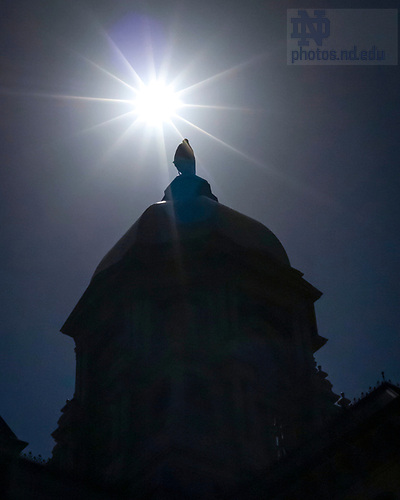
(184, 159)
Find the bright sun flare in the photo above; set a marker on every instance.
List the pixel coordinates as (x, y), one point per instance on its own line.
(156, 103)
(153, 105)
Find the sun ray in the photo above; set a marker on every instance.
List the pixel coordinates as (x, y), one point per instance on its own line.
(223, 108)
(220, 141)
(162, 154)
(61, 96)
(120, 140)
(105, 123)
(124, 59)
(87, 98)
(224, 73)
(117, 50)
(199, 59)
(296, 184)
(108, 73)
(150, 51)
(180, 135)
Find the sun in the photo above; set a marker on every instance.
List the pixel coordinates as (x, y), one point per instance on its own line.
(150, 103)
(156, 103)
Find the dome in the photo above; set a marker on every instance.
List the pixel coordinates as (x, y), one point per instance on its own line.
(197, 217)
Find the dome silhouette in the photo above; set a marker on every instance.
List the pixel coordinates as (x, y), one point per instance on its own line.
(167, 222)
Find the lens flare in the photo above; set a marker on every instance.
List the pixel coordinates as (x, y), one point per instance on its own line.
(156, 103)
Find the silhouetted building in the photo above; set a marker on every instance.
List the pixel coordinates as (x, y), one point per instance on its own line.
(195, 373)
(194, 347)
(10, 448)
(356, 457)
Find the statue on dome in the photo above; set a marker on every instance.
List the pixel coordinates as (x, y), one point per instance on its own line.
(184, 159)
(187, 184)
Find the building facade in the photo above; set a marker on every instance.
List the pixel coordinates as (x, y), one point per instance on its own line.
(194, 355)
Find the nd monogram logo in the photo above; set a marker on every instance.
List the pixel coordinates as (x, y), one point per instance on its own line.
(317, 27)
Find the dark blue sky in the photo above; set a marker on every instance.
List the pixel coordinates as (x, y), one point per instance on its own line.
(314, 156)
